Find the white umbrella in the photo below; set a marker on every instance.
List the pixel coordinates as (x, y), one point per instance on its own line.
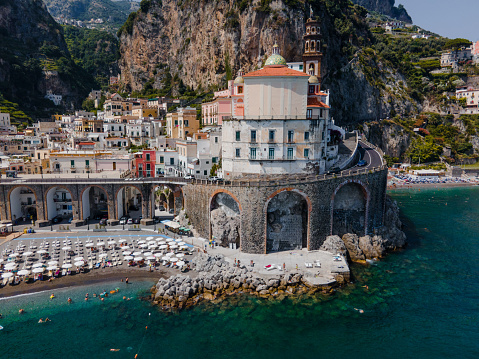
(180, 263)
(128, 258)
(42, 251)
(165, 258)
(37, 270)
(161, 242)
(158, 255)
(126, 253)
(170, 254)
(170, 240)
(149, 238)
(79, 263)
(173, 259)
(136, 254)
(52, 263)
(150, 258)
(52, 268)
(163, 246)
(78, 259)
(184, 246)
(180, 255)
(138, 258)
(141, 242)
(100, 243)
(14, 255)
(23, 272)
(1, 260)
(103, 255)
(37, 265)
(173, 246)
(152, 243)
(66, 248)
(122, 240)
(144, 245)
(67, 265)
(7, 275)
(178, 240)
(89, 245)
(112, 242)
(27, 254)
(147, 254)
(181, 243)
(11, 266)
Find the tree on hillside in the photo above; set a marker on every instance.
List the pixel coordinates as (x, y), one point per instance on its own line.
(455, 44)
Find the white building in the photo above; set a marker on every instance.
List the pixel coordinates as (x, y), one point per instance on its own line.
(472, 99)
(56, 99)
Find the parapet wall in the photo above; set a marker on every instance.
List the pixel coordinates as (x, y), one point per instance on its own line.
(319, 193)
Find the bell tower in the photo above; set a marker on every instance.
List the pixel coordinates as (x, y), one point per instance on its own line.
(312, 54)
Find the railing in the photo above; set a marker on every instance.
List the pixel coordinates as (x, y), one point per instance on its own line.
(377, 149)
(105, 179)
(290, 179)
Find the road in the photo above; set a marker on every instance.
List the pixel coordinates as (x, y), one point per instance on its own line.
(370, 155)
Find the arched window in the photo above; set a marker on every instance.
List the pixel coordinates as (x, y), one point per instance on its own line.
(307, 30)
(306, 47)
(312, 46)
(313, 30)
(240, 89)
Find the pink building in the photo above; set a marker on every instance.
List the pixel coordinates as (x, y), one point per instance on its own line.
(226, 103)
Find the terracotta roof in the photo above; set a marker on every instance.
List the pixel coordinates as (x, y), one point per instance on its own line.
(314, 102)
(276, 71)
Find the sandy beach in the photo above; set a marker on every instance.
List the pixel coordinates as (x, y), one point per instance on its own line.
(430, 185)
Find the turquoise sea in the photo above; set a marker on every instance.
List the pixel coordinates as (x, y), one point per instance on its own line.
(422, 302)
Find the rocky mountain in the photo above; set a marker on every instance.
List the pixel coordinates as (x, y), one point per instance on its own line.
(204, 43)
(34, 58)
(112, 12)
(386, 7)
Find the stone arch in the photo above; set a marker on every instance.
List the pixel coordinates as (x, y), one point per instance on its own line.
(102, 200)
(23, 205)
(288, 216)
(225, 218)
(350, 208)
(123, 204)
(50, 203)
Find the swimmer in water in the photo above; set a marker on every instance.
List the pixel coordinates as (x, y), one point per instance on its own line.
(359, 310)
(21, 311)
(41, 320)
(69, 300)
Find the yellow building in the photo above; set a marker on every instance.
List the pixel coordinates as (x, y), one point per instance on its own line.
(182, 124)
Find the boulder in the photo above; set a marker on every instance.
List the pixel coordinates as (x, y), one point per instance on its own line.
(333, 244)
(351, 241)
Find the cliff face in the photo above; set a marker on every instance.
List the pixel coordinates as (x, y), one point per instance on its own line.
(34, 57)
(203, 42)
(392, 138)
(386, 7)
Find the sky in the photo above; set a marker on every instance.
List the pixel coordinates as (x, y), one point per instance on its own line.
(456, 18)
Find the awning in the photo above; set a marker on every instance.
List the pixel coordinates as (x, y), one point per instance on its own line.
(173, 224)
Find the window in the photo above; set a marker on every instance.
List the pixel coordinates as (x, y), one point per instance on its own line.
(147, 156)
(214, 159)
(311, 88)
(72, 163)
(187, 123)
(252, 153)
(320, 113)
(306, 136)
(207, 162)
(205, 172)
(271, 154)
(176, 122)
(238, 136)
(216, 139)
(238, 152)
(309, 113)
(25, 148)
(87, 163)
(172, 161)
(271, 135)
(311, 69)
(300, 67)
(240, 89)
(306, 153)
(162, 159)
(290, 136)
(290, 153)
(253, 136)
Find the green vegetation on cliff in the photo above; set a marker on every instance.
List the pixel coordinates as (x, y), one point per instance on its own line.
(94, 50)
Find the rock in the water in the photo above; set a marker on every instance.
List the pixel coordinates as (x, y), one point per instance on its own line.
(351, 241)
(333, 244)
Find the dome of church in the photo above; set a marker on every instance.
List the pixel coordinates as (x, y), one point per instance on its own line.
(275, 59)
(239, 80)
(313, 79)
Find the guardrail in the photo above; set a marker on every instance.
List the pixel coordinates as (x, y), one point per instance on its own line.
(176, 180)
(290, 179)
(353, 157)
(377, 149)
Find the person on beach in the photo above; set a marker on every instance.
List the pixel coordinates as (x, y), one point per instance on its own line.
(126, 280)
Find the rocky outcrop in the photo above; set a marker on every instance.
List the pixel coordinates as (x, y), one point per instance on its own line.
(34, 57)
(392, 138)
(387, 238)
(334, 244)
(225, 220)
(218, 279)
(386, 7)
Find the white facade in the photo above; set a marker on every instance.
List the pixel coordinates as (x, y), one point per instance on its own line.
(56, 99)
